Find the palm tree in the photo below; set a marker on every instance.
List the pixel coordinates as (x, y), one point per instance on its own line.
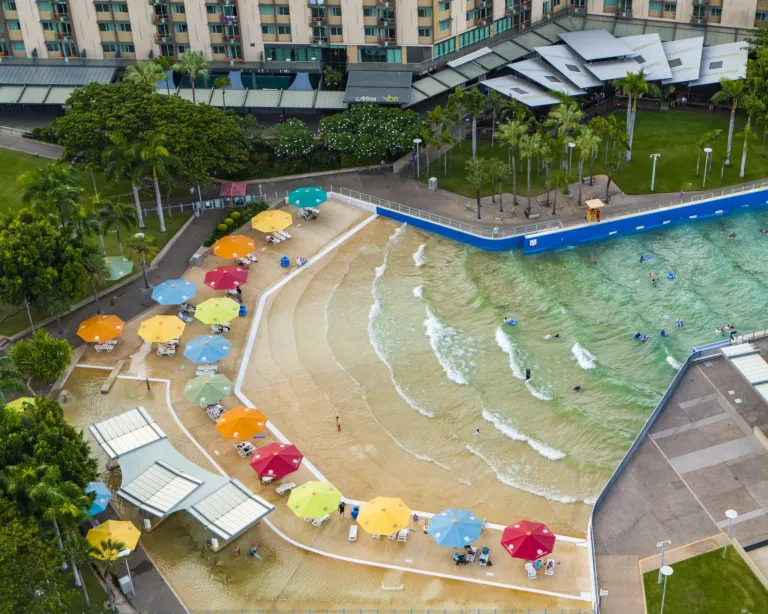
(700, 144)
(530, 145)
(85, 222)
(194, 64)
(494, 104)
(53, 302)
(560, 181)
(117, 215)
(499, 173)
(565, 118)
(611, 170)
(431, 139)
(109, 554)
(158, 162)
(142, 248)
(516, 111)
(752, 105)
(98, 272)
(510, 134)
(222, 83)
(446, 140)
(52, 190)
(145, 73)
(474, 105)
(10, 379)
(477, 176)
(122, 160)
(166, 64)
(634, 85)
(600, 127)
(731, 90)
(83, 555)
(547, 151)
(456, 110)
(762, 118)
(587, 144)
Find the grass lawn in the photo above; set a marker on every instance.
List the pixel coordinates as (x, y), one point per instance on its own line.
(673, 134)
(96, 593)
(707, 583)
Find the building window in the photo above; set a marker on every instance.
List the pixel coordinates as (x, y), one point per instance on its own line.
(48, 26)
(45, 7)
(123, 26)
(120, 7)
(127, 48)
(369, 11)
(545, 8)
(218, 49)
(106, 27)
(18, 46)
(180, 28)
(267, 10)
(446, 47)
(268, 29)
(471, 15)
(425, 32)
(761, 16)
(178, 9)
(13, 25)
(555, 3)
(213, 9)
(109, 47)
(284, 29)
(715, 11)
(478, 34)
(445, 6)
(424, 12)
(9, 6)
(182, 48)
(502, 25)
(609, 4)
(53, 47)
(215, 28)
(655, 6)
(335, 11)
(670, 7)
(370, 31)
(100, 8)
(337, 31)
(284, 11)
(445, 25)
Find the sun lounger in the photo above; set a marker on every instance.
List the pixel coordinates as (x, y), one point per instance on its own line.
(214, 412)
(485, 556)
(244, 448)
(307, 214)
(252, 258)
(316, 212)
(393, 537)
(319, 522)
(284, 488)
(273, 239)
(352, 533)
(531, 571)
(207, 369)
(210, 405)
(282, 235)
(471, 552)
(221, 329)
(243, 262)
(184, 317)
(266, 479)
(107, 346)
(166, 350)
(549, 568)
(187, 308)
(402, 535)
(426, 527)
(376, 536)
(173, 342)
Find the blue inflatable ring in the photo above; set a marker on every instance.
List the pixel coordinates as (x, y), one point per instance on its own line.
(670, 275)
(512, 322)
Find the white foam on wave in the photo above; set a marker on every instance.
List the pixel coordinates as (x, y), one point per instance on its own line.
(583, 356)
(508, 346)
(498, 421)
(539, 394)
(418, 291)
(447, 344)
(673, 363)
(418, 256)
(514, 480)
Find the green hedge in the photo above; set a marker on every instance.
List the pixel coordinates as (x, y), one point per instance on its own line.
(234, 219)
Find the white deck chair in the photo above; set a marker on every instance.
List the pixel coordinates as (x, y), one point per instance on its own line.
(166, 350)
(352, 533)
(549, 568)
(531, 571)
(244, 448)
(393, 537)
(207, 370)
(104, 347)
(376, 536)
(319, 522)
(402, 535)
(284, 488)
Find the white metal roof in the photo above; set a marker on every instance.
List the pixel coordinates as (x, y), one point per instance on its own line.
(127, 432)
(230, 510)
(613, 69)
(567, 62)
(723, 61)
(684, 59)
(731, 351)
(159, 489)
(469, 57)
(544, 74)
(649, 55)
(752, 367)
(520, 90)
(596, 44)
(762, 390)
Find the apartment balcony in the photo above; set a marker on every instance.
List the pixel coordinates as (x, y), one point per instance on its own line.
(231, 37)
(64, 36)
(624, 13)
(163, 38)
(700, 2)
(386, 22)
(577, 9)
(318, 21)
(698, 20)
(387, 41)
(160, 18)
(385, 4)
(517, 9)
(229, 19)
(61, 16)
(483, 22)
(483, 4)
(319, 41)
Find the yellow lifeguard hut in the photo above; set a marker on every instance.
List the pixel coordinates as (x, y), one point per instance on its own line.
(594, 206)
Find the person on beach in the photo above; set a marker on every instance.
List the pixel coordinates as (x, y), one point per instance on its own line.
(415, 519)
(679, 323)
(338, 428)
(527, 374)
(252, 551)
(237, 550)
(477, 432)
(663, 333)
(342, 507)
(577, 389)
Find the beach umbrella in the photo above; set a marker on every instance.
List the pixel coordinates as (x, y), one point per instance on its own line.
(18, 404)
(118, 267)
(241, 422)
(307, 197)
(207, 389)
(217, 310)
(276, 460)
(384, 516)
(455, 528)
(226, 277)
(100, 328)
(314, 500)
(272, 220)
(173, 292)
(103, 495)
(160, 329)
(122, 531)
(528, 540)
(207, 349)
(233, 246)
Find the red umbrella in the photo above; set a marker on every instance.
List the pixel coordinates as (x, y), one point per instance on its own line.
(276, 460)
(226, 277)
(528, 540)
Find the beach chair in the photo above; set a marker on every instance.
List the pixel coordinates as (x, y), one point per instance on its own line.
(252, 258)
(471, 552)
(531, 571)
(243, 262)
(165, 349)
(393, 537)
(284, 488)
(266, 479)
(244, 448)
(207, 369)
(352, 533)
(284, 236)
(187, 308)
(426, 527)
(221, 329)
(313, 211)
(273, 239)
(319, 522)
(549, 568)
(485, 556)
(105, 347)
(184, 317)
(376, 536)
(173, 342)
(402, 535)
(214, 412)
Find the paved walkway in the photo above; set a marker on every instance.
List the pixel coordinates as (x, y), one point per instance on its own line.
(18, 143)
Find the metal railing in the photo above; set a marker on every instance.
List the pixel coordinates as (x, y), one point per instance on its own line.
(488, 233)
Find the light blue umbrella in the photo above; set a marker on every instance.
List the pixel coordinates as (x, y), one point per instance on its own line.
(307, 197)
(206, 349)
(102, 497)
(455, 528)
(173, 292)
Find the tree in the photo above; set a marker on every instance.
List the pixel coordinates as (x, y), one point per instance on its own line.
(601, 128)
(332, 78)
(495, 106)
(109, 554)
(117, 215)
(477, 176)
(731, 90)
(474, 105)
(560, 181)
(147, 73)
(83, 556)
(122, 160)
(762, 118)
(587, 144)
(10, 378)
(159, 163)
(457, 110)
(445, 139)
(752, 105)
(97, 273)
(54, 302)
(142, 248)
(194, 65)
(530, 145)
(611, 170)
(222, 83)
(291, 139)
(42, 356)
(565, 118)
(634, 85)
(53, 189)
(499, 173)
(510, 134)
(166, 65)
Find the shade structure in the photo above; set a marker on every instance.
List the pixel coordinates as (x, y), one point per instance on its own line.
(173, 292)
(18, 404)
(384, 516)
(100, 328)
(207, 349)
(241, 422)
(233, 246)
(160, 329)
(276, 460)
(455, 528)
(314, 499)
(307, 197)
(528, 540)
(121, 531)
(118, 267)
(103, 495)
(217, 310)
(272, 220)
(207, 389)
(226, 277)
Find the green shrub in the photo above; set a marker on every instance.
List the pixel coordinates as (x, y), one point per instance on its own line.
(229, 221)
(42, 133)
(246, 213)
(235, 215)
(222, 228)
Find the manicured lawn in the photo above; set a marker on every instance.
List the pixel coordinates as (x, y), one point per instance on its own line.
(673, 134)
(96, 593)
(707, 583)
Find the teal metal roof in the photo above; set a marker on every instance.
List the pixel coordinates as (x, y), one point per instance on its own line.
(24, 74)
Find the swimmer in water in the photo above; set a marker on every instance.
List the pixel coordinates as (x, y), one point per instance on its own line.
(654, 281)
(663, 333)
(651, 274)
(764, 231)
(527, 374)
(642, 259)
(732, 235)
(729, 326)
(577, 388)
(679, 323)
(719, 330)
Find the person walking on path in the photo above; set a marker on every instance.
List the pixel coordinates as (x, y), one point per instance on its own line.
(342, 507)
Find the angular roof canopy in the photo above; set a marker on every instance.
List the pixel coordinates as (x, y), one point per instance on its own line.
(521, 90)
(684, 59)
(596, 44)
(649, 55)
(728, 61)
(542, 73)
(127, 432)
(568, 63)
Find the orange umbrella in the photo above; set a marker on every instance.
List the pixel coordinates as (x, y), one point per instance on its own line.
(100, 328)
(233, 246)
(241, 423)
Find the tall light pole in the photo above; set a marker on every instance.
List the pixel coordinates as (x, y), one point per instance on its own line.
(666, 571)
(417, 142)
(653, 180)
(661, 545)
(730, 514)
(570, 155)
(707, 150)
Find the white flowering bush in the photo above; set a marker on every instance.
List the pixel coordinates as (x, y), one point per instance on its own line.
(291, 139)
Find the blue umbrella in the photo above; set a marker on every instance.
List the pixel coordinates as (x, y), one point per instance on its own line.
(455, 528)
(206, 349)
(102, 497)
(173, 292)
(307, 197)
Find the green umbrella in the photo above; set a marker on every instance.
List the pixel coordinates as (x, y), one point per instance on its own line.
(207, 389)
(307, 197)
(118, 267)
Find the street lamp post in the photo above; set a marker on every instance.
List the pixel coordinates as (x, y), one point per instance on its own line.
(570, 155)
(653, 180)
(666, 571)
(730, 514)
(661, 562)
(417, 142)
(707, 150)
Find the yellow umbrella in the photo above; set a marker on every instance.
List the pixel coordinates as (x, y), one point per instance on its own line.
(18, 404)
(272, 220)
(241, 422)
(122, 531)
(160, 329)
(233, 246)
(100, 328)
(217, 310)
(384, 516)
